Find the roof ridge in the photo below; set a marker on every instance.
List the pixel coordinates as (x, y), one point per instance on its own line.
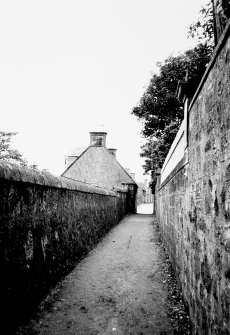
(121, 166)
(110, 154)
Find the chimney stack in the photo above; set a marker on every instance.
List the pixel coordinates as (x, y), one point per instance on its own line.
(98, 138)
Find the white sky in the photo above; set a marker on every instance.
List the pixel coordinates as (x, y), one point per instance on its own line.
(66, 66)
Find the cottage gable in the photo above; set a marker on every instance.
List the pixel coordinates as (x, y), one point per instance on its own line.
(97, 165)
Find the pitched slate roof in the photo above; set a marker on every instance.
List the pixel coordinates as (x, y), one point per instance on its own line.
(98, 166)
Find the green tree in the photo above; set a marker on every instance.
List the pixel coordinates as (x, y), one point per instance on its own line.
(6, 151)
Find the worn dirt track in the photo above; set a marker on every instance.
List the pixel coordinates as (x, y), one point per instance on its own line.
(117, 289)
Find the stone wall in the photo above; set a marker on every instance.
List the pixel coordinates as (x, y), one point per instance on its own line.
(193, 202)
(47, 225)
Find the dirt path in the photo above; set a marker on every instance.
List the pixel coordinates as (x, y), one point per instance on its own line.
(117, 289)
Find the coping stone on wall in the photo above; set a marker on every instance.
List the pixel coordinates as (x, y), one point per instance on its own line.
(21, 173)
(120, 189)
(183, 162)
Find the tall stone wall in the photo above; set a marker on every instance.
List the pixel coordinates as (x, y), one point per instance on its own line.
(47, 225)
(193, 203)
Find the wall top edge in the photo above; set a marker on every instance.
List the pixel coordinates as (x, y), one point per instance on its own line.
(20, 173)
(177, 139)
(183, 162)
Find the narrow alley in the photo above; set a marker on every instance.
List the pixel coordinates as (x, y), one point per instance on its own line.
(117, 289)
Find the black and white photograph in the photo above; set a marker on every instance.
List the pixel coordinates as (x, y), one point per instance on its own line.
(115, 167)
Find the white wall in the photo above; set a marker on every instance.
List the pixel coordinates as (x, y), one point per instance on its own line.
(176, 152)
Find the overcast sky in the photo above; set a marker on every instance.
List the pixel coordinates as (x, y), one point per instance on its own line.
(68, 66)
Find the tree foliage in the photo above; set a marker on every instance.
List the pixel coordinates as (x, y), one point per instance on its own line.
(158, 106)
(159, 110)
(6, 151)
(203, 28)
